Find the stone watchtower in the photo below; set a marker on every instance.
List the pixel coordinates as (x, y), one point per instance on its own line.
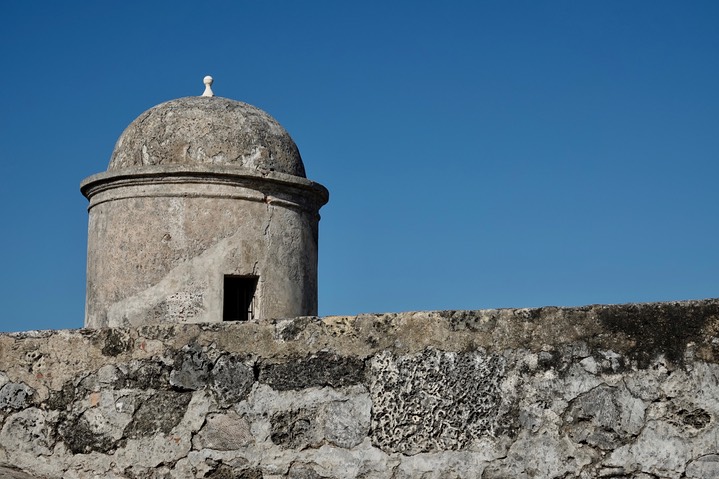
(204, 214)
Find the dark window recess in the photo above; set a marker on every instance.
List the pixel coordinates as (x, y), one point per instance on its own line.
(238, 303)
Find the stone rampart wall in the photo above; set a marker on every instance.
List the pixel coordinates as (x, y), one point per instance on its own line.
(628, 391)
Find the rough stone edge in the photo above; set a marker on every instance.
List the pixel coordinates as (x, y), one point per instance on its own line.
(639, 330)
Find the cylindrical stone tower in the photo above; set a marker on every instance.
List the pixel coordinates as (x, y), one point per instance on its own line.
(204, 214)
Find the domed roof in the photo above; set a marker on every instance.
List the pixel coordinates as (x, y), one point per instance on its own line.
(207, 130)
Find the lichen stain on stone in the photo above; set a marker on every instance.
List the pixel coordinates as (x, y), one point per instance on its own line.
(231, 379)
(144, 374)
(191, 370)
(15, 396)
(159, 413)
(305, 471)
(115, 342)
(662, 328)
(291, 330)
(61, 399)
(80, 437)
(224, 471)
(322, 369)
(226, 375)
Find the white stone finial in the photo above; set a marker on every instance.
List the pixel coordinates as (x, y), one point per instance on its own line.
(208, 83)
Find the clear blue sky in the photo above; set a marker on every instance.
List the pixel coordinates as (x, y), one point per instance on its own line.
(478, 154)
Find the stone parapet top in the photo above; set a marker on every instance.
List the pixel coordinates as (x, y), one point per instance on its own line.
(642, 331)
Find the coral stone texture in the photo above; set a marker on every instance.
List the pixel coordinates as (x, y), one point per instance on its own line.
(199, 189)
(626, 391)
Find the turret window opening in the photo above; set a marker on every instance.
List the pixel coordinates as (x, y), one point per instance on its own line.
(239, 294)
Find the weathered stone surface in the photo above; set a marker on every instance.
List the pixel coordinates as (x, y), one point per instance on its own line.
(295, 429)
(232, 379)
(319, 370)
(27, 432)
(662, 328)
(705, 466)
(11, 473)
(160, 412)
(548, 393)
(346, 423)
(225, 374)
(192, 369)
(604, 417)
(144, 374)
(224, 432)
(117, 342)
(304, 471)
(83, 435)
(226, 472)
(15, 396)
(201, 130)
(136, 472)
